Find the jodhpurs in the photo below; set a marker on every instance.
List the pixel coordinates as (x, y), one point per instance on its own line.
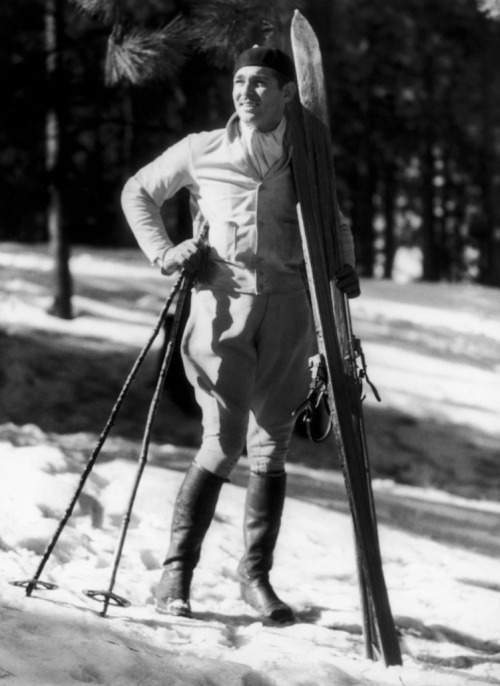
(247, 359)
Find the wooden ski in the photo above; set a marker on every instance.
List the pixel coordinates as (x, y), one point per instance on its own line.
(320, 227)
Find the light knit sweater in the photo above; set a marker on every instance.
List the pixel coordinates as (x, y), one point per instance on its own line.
(254, 237)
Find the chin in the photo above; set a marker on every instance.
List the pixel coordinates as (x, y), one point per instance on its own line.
(248, 115)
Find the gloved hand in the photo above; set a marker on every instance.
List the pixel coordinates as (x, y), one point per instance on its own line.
(347, 281)
(187, 255)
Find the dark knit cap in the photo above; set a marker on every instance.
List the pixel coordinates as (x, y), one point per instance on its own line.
(266, 57)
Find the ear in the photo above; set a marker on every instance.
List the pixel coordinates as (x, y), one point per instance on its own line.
(288, 91)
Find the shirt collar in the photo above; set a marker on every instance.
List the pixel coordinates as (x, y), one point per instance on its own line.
(274, 137)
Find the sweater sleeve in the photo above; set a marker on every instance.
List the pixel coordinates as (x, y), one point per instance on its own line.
(146, 191)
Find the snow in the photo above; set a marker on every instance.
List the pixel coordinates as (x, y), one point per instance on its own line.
(432, 352)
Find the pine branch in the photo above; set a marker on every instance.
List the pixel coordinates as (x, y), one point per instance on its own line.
(103, 10)
(137, 56)
(223, 28)
(138, 12)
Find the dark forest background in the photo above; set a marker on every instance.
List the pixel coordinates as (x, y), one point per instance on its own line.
(92, 90)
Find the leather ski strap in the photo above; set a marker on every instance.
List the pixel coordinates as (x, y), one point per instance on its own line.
(315, 409)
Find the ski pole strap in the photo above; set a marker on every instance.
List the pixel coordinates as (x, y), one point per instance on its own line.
(315, 410)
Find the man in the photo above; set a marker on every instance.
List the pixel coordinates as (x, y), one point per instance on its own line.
(250, 331)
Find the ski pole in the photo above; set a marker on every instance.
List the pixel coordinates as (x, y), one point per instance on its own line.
(34, 582)
(108, 596)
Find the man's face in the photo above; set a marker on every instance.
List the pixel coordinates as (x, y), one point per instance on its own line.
(258, 98)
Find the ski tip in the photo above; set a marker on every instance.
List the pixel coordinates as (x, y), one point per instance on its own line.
(297, 17)
(302, 31)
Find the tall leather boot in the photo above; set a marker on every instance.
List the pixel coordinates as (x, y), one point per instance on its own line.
(193, 512)
(263, 510)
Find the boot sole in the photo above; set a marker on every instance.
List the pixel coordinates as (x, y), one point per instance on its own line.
(175, 608)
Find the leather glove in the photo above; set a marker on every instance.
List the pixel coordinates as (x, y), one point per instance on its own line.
(347, 281)
(187, 255)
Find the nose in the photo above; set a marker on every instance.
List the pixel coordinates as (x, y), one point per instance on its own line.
(247, 88)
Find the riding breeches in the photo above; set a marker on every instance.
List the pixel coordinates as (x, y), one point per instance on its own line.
(247, 358)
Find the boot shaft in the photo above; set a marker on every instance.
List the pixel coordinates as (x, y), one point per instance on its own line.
(193, 513)
(262, 521)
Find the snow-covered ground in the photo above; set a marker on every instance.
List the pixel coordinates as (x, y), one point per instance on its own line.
(433, 352)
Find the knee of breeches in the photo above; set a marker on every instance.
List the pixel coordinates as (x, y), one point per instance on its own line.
(229, 444)
(219, 457)
(269, 465)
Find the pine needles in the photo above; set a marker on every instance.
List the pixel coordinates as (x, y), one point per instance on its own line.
(139, 52)
(137, 55)
(224, 28)
(104, 10)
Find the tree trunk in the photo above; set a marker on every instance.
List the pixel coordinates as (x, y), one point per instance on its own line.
(490, 272)
(389, 212)
(123, 235)
(430, 271)
(55, 154)
(363, 211)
